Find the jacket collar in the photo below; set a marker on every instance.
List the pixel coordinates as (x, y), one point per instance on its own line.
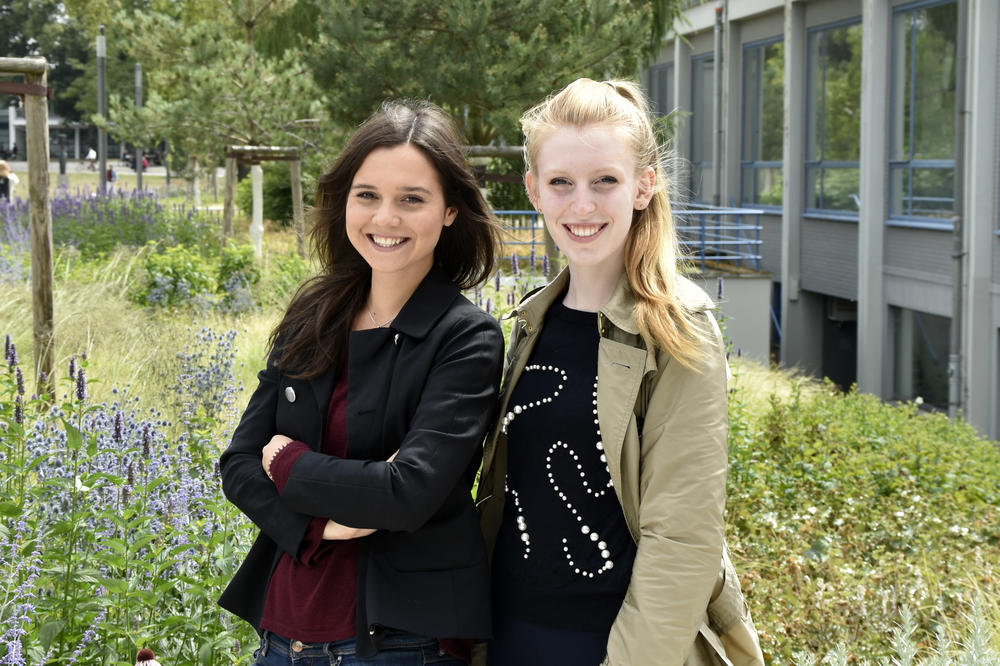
(428, 303)
(620, 308)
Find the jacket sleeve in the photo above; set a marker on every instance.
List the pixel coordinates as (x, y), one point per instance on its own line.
(683, 464)
(456, 406)
(243, 479)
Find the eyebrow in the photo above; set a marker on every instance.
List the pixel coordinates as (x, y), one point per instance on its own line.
(412, 188)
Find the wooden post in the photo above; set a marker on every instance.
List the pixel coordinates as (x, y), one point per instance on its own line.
(227, 215)
(298, 218)
(37, 118)
(257, 219)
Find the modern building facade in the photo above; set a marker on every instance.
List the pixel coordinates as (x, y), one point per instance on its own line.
(869, 132)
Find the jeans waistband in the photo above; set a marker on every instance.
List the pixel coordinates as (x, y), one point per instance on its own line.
(302, 649)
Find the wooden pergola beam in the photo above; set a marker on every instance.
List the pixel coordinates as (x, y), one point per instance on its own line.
(256, 155)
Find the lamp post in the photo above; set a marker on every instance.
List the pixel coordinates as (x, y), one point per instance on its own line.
(138, 105)
(102, 110)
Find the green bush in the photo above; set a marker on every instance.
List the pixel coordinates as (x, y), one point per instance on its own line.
(175, 276)
(277, 192)
(844, 509)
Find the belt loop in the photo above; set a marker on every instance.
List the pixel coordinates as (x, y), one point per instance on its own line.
(265, 640)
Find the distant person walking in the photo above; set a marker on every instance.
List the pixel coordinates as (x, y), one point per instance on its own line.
(8, 181)
(92, 159)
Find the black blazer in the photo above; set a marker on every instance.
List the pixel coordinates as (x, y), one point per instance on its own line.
(426, 386)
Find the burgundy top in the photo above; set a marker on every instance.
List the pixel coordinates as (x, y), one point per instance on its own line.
(313, 599)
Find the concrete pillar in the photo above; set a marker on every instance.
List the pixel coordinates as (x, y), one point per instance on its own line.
(872, 362)
(796, 347)
(982, 209)
(682, 97)
(732, 112)
(11, 134)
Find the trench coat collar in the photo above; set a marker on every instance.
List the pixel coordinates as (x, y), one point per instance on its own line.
(431, 300)
(620, 309)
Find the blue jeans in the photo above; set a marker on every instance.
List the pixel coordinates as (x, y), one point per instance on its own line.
(398, 649)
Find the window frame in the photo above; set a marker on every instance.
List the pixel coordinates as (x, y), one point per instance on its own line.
(908, 166)
(670, 74)
(702, 164)
(754, 163)
(821, 164)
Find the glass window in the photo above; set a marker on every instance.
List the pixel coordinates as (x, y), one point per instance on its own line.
(763, 122)
(833, 118)
(661, 88)
(921, 359)
(702, 113)
(922, 162)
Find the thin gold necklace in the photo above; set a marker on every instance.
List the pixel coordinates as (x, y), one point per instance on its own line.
(371, 315)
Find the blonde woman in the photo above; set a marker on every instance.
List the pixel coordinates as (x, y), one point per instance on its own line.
(603, 487)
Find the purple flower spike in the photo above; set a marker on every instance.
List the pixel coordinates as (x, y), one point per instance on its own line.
(513, 264)
(545, 265)
(18, 410)
(72, 367)
(720, 289)
(496, 281)
(81, 385)
(20, 380)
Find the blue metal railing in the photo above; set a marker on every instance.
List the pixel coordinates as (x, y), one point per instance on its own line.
(706, 233)
(716, 234)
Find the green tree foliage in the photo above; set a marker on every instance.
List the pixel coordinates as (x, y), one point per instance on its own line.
(485, 62)
(42, 28)
(207, 87)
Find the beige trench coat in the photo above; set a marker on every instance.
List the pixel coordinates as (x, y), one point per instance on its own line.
(664, 430)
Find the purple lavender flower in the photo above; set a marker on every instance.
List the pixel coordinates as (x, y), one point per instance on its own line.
(720, 288)
(20, 380)
(533, 257)
(81, 385)
(12, 355)
(545, 265)
(496, 281)
(119, 424)
(18, 410)
(513, 264)
(72, 367)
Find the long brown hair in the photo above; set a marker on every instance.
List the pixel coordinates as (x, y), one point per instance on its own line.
(651, 248)
(312, 335)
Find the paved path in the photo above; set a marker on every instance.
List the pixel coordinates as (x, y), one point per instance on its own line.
(81, 166)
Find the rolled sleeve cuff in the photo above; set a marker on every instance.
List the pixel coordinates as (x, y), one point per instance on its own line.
(284, 460)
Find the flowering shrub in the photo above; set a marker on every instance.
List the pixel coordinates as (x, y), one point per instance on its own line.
(175, 276)
(113, 520)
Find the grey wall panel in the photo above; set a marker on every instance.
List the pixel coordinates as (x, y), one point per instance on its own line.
(830, 257)
(762, 26)
(770, 244)
(996, 262)
(925, 250)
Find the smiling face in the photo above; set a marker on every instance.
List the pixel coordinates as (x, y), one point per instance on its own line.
(396, 210)
(586, 185)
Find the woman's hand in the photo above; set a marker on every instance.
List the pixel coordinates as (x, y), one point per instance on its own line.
(336, 532)
(277, 443)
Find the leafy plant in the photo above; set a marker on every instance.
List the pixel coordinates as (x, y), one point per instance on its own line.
(174, 277)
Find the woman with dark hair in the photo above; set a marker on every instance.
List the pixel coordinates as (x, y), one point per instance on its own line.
(356, 454)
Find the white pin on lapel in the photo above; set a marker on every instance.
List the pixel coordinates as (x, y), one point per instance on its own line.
(395, 339)
(289, 394)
